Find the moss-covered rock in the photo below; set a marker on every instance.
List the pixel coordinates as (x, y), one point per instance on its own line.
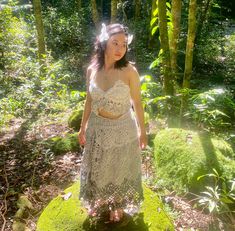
(61, 145)
(181, 156)
(75, 119)
(67, 215)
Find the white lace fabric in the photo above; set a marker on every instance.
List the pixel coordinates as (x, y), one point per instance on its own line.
(111, 165)
(116, 100)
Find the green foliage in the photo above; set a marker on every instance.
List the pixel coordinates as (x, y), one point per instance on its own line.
(139, 50)
(157, 62)
(68, 215)
(77, 98)
(182, 155)
(68, 31)
(219, 198)
(23, 90)
(154, 28)
(150, 92)
(25, 98)
(70, 39)
(155, 104)
(62, 145)
(75, 119)
(214, 54)
(13, 40)
(212, 110)
(154, 25)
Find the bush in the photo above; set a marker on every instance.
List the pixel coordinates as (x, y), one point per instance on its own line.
(181, 156)
(59, 145)
(213, 110)
(75, 120)
(68, 31)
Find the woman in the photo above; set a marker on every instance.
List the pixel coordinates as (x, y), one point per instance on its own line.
(112, 138)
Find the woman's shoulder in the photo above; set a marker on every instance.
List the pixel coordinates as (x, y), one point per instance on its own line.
(130, 70)
(90, 69)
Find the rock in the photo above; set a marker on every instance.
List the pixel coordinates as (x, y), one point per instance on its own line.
(23, 202)
(18, 226)
(181, 156)
(24, 206)
(75, 119)
(68, 215)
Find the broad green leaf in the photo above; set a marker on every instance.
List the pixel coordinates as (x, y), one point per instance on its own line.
(168, 5)
(153, 21)
(200, 177)
(155, 63)
(169, 15)
(153, 31)
(203, 201)
(207, 193)
(216, 5)
(233, 185)
(227, 200)
(155, 13)
(148, 78)
(82, 93)
(212, 206)
(143, 86)
(215, 171)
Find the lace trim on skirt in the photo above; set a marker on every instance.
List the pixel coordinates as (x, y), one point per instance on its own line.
(111, 165)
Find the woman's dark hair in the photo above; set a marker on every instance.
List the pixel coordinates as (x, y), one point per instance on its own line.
(97, 60)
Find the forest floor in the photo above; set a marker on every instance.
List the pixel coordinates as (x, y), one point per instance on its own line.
(27, 168)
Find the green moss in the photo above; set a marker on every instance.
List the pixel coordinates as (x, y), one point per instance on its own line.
(75, 119)
(179, 162)
(151, 138)
(61, 215)
(61, 145)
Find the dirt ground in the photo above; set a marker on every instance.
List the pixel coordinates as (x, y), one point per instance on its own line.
(27, 168)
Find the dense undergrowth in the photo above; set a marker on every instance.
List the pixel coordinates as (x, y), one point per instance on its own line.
(25, 93)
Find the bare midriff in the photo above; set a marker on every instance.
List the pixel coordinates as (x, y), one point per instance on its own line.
(107, 115)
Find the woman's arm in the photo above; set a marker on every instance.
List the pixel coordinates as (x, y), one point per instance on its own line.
(136, 99)
(86, 111)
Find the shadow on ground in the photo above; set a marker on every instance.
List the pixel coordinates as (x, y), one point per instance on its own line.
(136, 223)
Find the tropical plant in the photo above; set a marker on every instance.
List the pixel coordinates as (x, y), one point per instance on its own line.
(212, 110)
(220, 198)
(151, 94)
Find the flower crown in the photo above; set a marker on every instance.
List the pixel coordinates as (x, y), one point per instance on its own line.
(104, 36)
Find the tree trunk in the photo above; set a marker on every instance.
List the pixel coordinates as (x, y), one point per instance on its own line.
(137, 9)
(166, 65)
(40, 33)
(95, 14)
(189, 53)
(113, 11)
(190, 43)
(204, 12)
(176, 16)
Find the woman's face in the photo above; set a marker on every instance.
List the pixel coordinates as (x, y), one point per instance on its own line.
(116, 46)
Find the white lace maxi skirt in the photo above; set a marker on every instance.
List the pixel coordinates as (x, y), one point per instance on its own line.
(111, 166)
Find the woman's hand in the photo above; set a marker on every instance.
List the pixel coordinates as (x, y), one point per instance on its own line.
(143, 140)
(81, 137)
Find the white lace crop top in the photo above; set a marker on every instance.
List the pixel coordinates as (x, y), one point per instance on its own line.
(116, 100)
